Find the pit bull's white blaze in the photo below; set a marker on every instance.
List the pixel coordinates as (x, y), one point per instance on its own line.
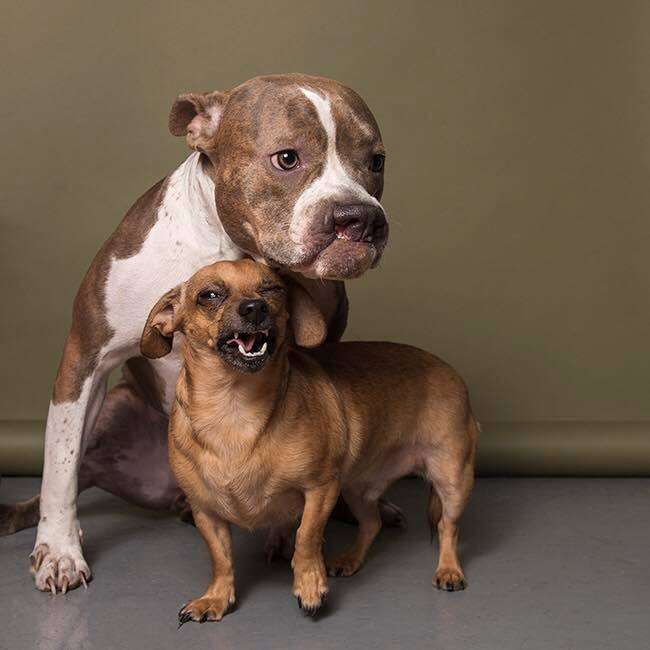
(333, 184)
(187, 235)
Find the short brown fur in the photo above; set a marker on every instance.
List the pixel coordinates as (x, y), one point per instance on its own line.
(277, 446)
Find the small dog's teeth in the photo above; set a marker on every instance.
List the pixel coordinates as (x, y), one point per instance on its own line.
(241, 349)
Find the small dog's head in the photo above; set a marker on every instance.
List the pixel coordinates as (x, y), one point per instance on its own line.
(238, 311)
(298, 167)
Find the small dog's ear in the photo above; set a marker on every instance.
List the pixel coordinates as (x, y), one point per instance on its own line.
(196, 116)
(164, 319)
(307, 322)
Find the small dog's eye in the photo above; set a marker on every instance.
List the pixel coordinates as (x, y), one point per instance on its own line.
(377, 163)
(271, 288)
(285, 160)
(209, 298)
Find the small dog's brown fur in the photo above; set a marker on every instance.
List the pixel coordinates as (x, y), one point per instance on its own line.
(274, 446)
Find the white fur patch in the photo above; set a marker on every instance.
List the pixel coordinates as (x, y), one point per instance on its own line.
(334, 183)
(186, 236)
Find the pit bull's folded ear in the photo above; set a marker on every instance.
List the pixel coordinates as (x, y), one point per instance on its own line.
(307, 321)
(196, 116)
(164, 319)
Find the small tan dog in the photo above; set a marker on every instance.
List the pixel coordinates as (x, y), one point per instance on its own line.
(265, 435)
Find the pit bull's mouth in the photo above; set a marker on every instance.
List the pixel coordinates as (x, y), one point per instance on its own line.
(247, 351)
(342, 258)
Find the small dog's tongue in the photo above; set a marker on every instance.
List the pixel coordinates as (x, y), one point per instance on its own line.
(247, 341)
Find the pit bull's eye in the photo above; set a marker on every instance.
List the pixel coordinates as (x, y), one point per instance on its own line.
(209, 298)
(377, 163)
(285, 160)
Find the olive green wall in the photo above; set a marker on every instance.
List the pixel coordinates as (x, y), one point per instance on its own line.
(518, 141)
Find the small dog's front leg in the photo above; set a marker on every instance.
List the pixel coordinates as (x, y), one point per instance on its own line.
(219, 597)
(309, 572)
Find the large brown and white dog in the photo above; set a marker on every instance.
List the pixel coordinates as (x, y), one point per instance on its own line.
(287, 169)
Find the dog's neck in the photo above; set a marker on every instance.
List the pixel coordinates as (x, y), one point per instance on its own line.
(229, 405)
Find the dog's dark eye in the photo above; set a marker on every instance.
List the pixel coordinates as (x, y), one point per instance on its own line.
(285, 160)
(377, 163)
(209, 298)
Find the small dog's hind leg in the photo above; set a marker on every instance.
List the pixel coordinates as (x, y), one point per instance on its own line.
(452, 483)
(391, 515)
(366, 511)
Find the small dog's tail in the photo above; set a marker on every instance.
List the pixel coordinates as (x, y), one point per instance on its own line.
(17, 516)
(434, 512)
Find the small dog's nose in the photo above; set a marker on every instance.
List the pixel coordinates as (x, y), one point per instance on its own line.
(253, 311)
(361, 222)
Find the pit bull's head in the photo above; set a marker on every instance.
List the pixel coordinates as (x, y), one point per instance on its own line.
(298, 166)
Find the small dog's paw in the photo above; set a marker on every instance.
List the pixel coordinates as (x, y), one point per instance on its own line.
(207, 608)
(344, 565)
(310, 588)
(58, 571)
(449, 580)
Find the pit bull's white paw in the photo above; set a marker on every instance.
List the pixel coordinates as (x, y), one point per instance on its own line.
(57, 569)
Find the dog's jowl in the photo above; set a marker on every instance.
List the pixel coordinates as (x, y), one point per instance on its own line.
(264, 434)
(286, 169)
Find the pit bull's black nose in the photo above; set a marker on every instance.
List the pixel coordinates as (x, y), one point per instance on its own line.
(360, 222)
(254, 311)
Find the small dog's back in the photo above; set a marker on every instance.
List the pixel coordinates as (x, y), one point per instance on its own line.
(399, 394)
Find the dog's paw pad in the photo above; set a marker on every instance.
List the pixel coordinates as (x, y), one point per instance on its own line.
(449, 580)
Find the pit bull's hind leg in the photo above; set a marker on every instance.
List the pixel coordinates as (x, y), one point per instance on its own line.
(16, 516)
(127, 454)
(25, 514)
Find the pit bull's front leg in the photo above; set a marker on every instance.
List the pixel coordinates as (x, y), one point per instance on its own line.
(310, 574)
(57, 560)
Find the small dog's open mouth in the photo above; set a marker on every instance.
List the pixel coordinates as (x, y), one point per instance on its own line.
(247, 351)
(250, 345)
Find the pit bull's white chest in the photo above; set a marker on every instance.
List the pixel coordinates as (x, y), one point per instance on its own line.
(187, 235)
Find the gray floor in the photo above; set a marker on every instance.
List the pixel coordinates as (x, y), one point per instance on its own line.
(551, 564)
